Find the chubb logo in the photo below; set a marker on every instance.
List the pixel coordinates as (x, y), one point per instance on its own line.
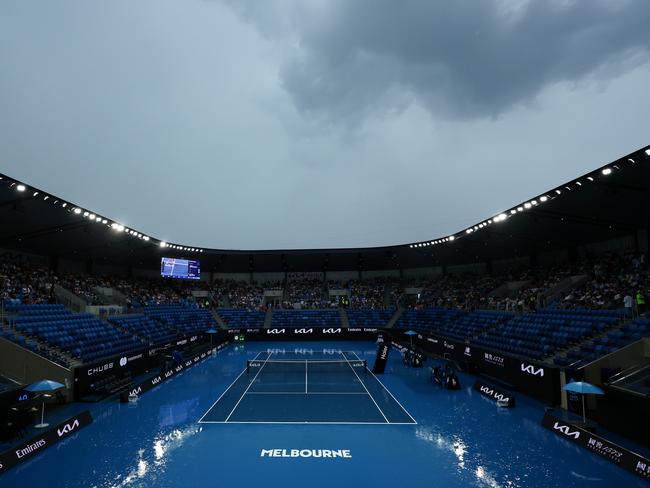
(123, 361)
(566, 430)
(275, 331)
(331, 331)
(99, 369)
(67, 428)
(530, 369)
(304, 331)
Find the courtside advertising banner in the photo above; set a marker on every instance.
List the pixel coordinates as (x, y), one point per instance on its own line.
(173, 371)
(306, 333)
(34, 446)
(626, 459)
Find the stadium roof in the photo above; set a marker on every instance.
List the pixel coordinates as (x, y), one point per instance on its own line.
(609, 202)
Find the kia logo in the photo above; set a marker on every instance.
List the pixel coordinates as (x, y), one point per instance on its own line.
(136, 391)
(303, 331)
(275, 331)
(566, 430)
(530, 369)
(67, 428)
(331, 331)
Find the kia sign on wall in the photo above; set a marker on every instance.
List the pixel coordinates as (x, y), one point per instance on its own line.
(34, 446)
(614, 453)
(306, 333)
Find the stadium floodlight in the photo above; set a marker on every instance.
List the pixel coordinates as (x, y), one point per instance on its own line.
(578, 183)
(46, 197)
(163, 244)
(20, 187)
(104, 221)
(590, 178)
(469, 231)
(543, 199)
(120, 228)
(35, 193)
(558, 192)
(77, 210)
(520, 209)
(647, 151)
(146, 238)
(606, 171)
(527, 205)
(91, 216)
(64, 204)
(501, 217)
(86, 214)
(451, 238)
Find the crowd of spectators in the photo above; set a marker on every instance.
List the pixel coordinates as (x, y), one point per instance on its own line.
(240, 294)
(306, 293)
(611, 281)
(25, 282)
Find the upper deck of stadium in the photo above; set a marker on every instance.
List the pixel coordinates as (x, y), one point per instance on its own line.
(605, 204)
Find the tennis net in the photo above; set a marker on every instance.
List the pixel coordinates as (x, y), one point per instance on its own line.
(256, 366)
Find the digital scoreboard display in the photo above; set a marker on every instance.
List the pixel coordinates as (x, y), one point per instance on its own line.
(180, 268)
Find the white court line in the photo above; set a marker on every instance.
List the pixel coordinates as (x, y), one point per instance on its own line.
(217, 400)
(248, 388)
(384, 387)
(306, 367)
(310, 393)
(364, 386)
(305, 423)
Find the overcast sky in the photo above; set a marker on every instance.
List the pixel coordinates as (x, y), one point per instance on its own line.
(305, 124)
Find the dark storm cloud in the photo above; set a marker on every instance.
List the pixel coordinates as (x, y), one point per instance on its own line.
(461, 58)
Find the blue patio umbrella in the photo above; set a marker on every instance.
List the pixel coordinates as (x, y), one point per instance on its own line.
(583, 388)
(43, 387)
(211, 331)
(411, 333)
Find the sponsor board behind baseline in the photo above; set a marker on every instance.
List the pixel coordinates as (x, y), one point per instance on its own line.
(306, 333)
(628, 460)
(34, 446)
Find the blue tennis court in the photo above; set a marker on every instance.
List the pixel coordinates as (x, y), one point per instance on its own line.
(307, 387)
(460, 439)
